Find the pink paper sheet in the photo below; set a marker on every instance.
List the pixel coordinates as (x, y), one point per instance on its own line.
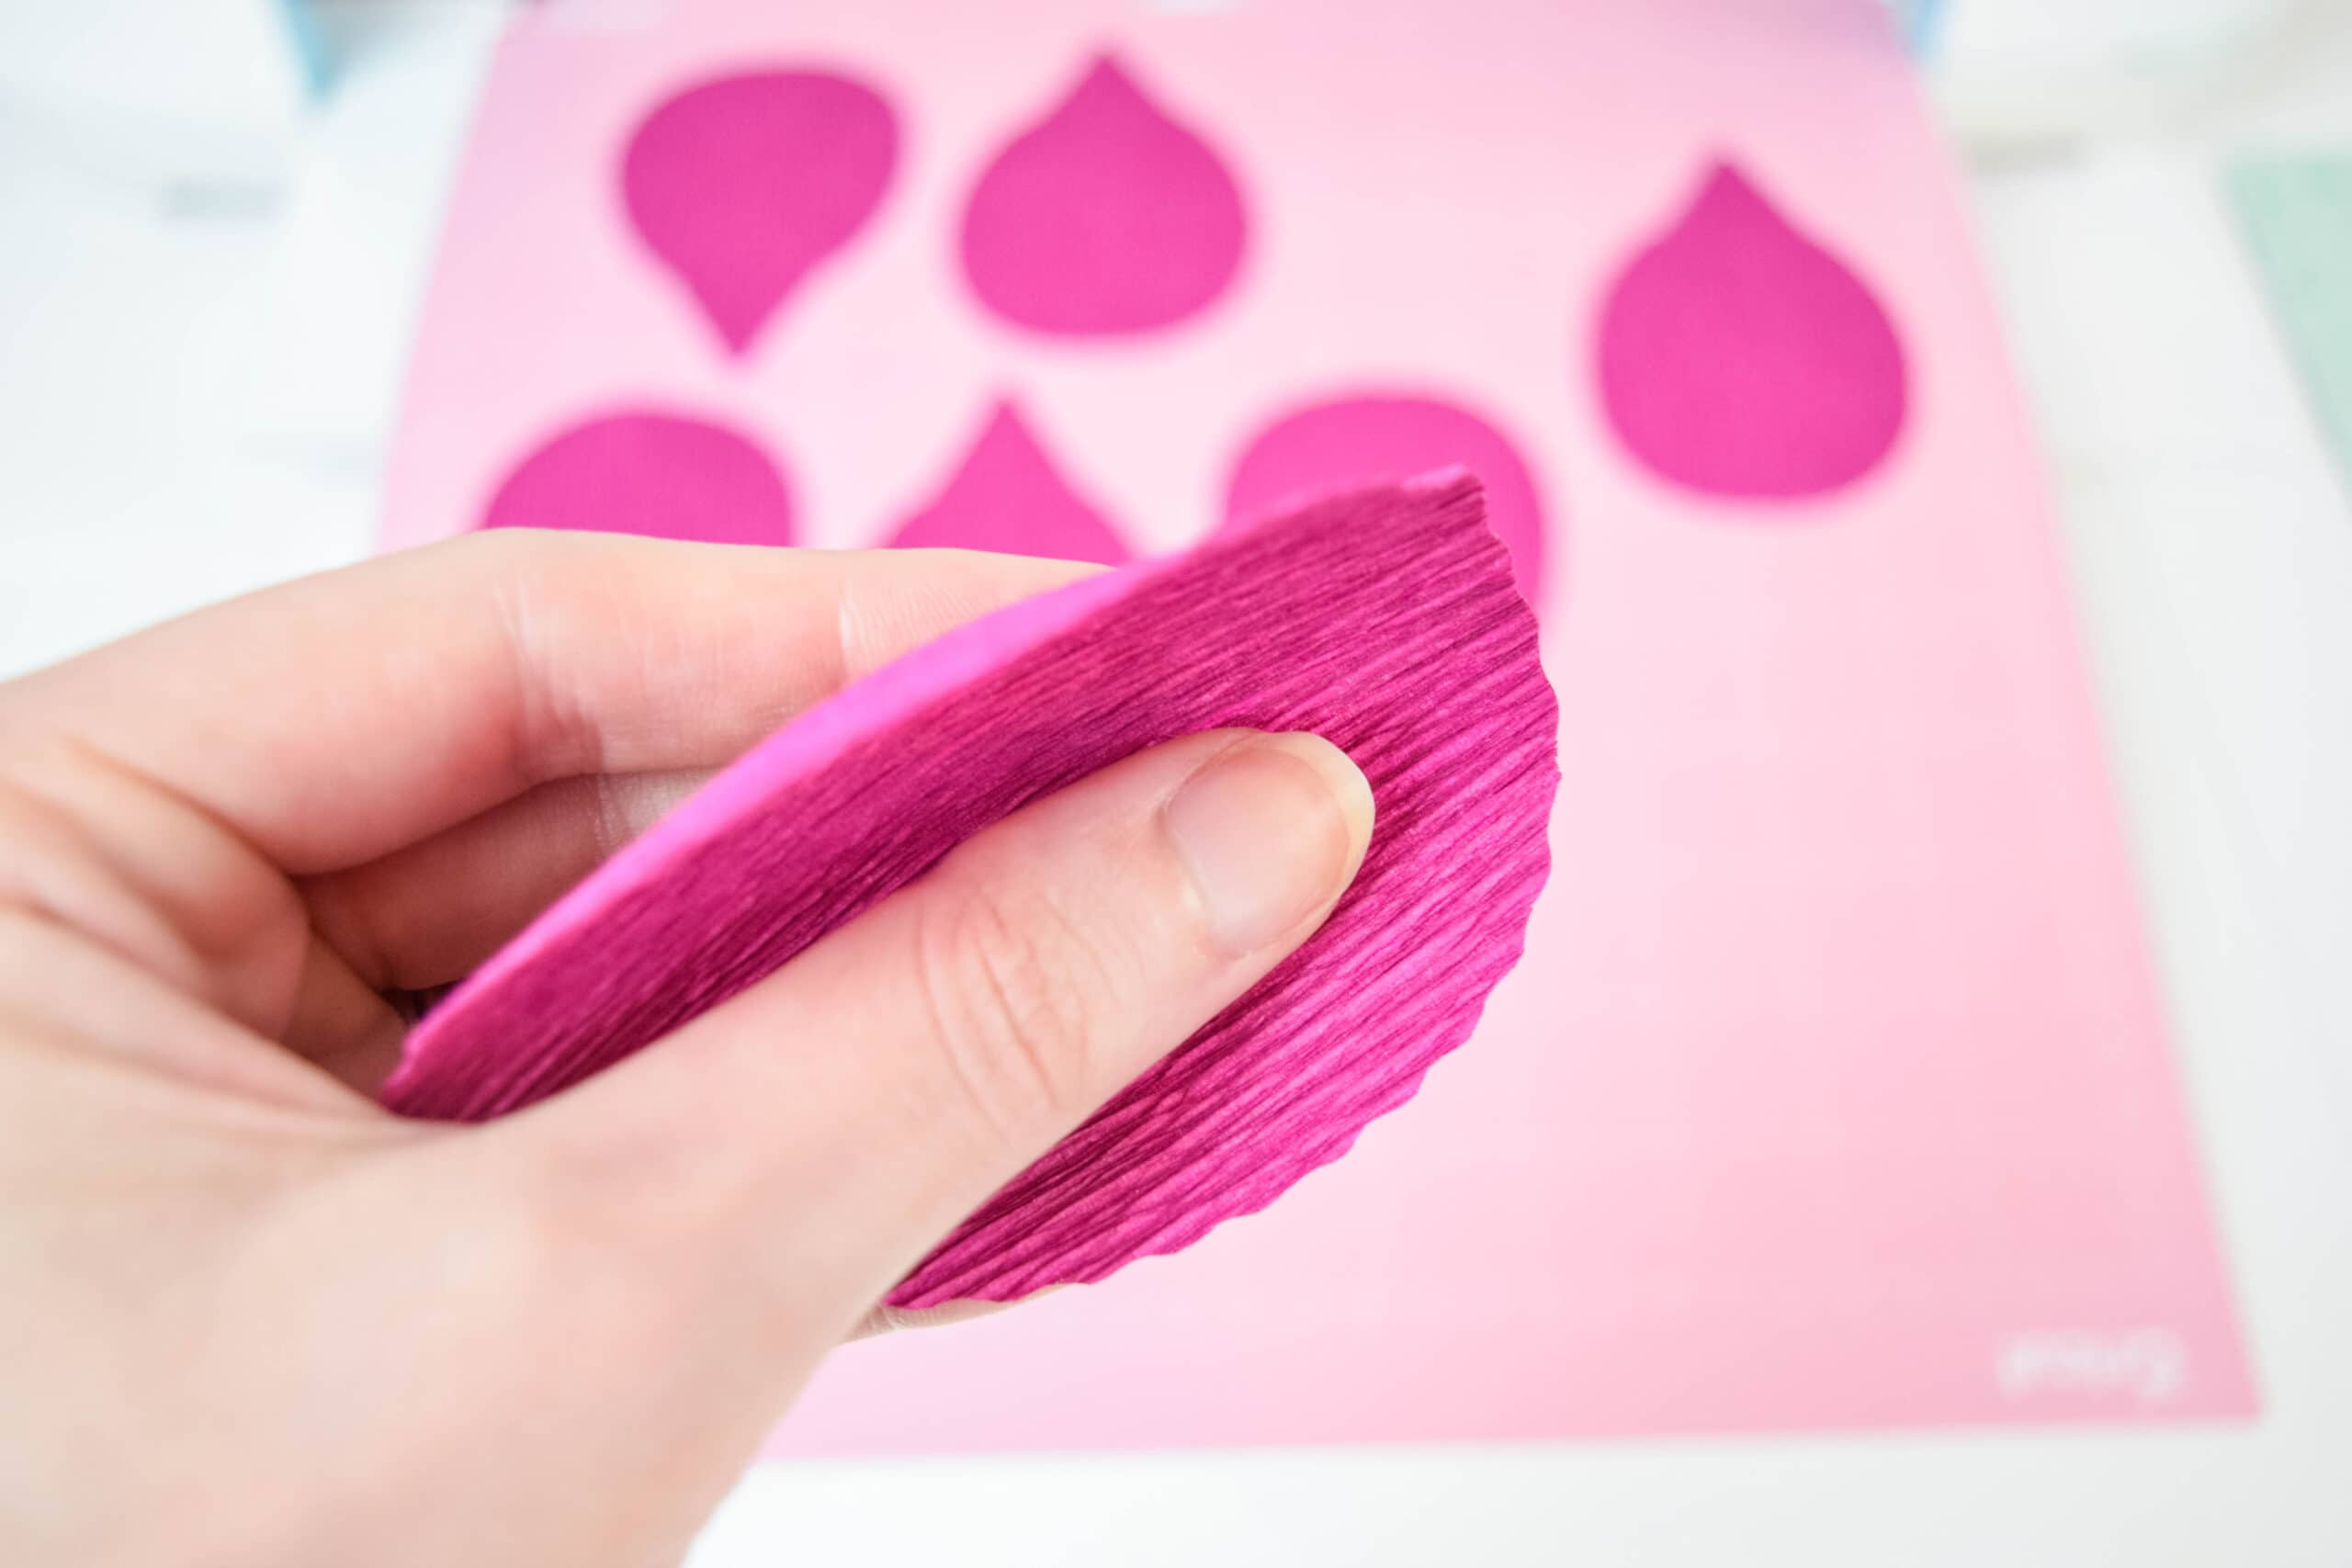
(1835, 1090)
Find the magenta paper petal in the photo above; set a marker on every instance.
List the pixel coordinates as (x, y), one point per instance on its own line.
(743, 185)
(1739, 357)
(1106, 217)
(1351, 441)
(1007, 497)
(1384, 621)
(657, 474)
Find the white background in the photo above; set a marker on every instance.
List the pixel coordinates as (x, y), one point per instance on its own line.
(199, 357)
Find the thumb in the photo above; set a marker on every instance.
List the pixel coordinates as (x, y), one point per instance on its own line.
(812, 1137)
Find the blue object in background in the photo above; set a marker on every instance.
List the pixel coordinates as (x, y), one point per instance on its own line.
(1917, 18)
(309, 45)
(2295, 212)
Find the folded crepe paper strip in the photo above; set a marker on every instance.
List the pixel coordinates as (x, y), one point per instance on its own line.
(1384, 621)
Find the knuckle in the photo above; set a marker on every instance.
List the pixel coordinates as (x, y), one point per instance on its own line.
(1014, 992)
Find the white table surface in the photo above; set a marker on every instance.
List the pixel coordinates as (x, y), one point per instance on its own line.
(193, 393)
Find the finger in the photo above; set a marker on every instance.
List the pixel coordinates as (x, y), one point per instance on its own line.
(332, 720)
(427, 914)
(884, 1318)
(339, 1023)
(813, 1136)
(96, 1011)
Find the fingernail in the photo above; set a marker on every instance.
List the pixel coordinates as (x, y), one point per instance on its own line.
(1272, 830)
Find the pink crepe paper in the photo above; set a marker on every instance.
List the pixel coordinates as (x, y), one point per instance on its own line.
(1384, 621)
(1108, 216)
(1739, 357)
(659, 474)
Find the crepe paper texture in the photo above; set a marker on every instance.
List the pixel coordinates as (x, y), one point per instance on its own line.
(1833, 1091)
(1007, 497)
(659, 474)
(1377, 436)
(741, 185)
(2297, 216)
(1108, 216)
(1738, 357)
(1384, 621)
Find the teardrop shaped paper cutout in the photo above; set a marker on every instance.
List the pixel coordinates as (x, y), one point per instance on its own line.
(661, 475)
(1108, 216)
(1007, 497)
(743, 185)
(1370, 438)
(1739, 357)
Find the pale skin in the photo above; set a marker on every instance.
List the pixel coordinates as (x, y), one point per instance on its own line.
(248, 1318)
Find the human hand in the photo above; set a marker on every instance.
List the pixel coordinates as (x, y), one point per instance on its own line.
(249, 1317)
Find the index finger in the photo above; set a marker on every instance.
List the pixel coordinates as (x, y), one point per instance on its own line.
(335, 718)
